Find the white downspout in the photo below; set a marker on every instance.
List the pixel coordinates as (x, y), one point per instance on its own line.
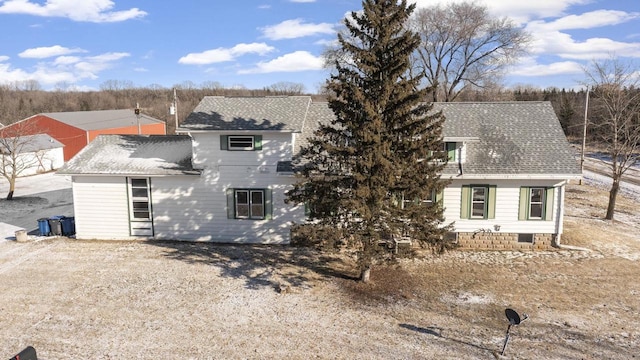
(560, 217)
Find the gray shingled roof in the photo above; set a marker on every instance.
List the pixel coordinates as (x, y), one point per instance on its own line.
(507, 137)
(513, 138)
(282, 113)
(32, 143)
(102, 119)
(134, 155)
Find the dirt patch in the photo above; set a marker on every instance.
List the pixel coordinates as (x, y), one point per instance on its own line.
(149, 300)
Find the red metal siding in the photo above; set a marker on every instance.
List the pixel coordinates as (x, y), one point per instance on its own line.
(74, 139)
(149, 129)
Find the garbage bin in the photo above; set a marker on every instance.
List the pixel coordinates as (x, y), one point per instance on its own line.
(55, 223)
(43, 227)
(68, 225)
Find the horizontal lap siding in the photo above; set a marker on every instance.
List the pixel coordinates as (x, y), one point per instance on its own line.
(101, 208)
(507, 207)
(207, 153)
(187, 208)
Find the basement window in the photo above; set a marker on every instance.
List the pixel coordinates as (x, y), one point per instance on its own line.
(525, 238)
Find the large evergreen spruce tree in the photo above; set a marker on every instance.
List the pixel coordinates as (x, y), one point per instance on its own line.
(372, 175)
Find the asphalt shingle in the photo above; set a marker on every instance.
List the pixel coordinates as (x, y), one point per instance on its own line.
(134, 155)
(280, 113)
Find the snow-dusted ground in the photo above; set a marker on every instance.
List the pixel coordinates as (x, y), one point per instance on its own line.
(35, 197)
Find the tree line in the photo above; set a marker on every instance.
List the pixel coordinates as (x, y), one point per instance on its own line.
(18, 103)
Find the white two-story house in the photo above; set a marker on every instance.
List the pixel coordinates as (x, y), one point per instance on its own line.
(224, 179)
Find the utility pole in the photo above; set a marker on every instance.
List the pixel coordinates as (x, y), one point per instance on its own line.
(173, 110)
(137, 112)
(584, 134)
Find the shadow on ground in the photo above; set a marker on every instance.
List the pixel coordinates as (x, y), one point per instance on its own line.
(282, 268)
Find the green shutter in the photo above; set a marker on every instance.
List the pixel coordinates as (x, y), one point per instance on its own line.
(257, 142)
(548, 202)
(524, 203)
(491, 206)
(465, 199)
(231, 213)
(224, 142)
(268, 204)
(451, 151)
(439, 196)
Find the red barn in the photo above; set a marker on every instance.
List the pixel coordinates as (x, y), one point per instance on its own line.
(76, 129)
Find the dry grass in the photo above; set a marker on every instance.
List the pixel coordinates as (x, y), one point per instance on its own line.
(114, 300)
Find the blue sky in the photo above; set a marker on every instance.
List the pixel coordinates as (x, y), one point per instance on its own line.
(81, 44)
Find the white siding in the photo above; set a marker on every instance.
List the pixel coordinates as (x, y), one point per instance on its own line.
(100, 207)
(276, 146)
(507, 207)
(196, 208)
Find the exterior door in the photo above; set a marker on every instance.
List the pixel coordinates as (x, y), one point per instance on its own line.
(140, 209)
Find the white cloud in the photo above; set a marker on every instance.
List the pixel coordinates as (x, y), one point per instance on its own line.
(296, 28)
(85, 11)
(519, 11)
(225, 54)
(48, 51)
(589, 20)
(3, 58)
(292, 62)
(264, 7)
(530, 68)
(63, 69)
(66, 60)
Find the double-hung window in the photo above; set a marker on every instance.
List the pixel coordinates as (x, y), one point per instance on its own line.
(536, 203)
(252, 204)
(478, 202)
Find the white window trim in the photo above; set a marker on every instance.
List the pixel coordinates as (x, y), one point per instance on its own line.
(485, 203)
(250, 204)
(230, 139)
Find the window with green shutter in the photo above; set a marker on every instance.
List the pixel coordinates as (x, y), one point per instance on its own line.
(253, 204)
(478, 202)
(450, 147)
(536, 203)
(241, 142)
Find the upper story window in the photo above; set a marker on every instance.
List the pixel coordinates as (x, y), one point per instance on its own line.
(241, 142)
(450, 148)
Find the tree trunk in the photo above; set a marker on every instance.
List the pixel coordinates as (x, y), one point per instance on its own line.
(365, 274)
(12, 188)
(613, 193)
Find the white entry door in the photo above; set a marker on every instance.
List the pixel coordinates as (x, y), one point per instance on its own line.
(140, 210)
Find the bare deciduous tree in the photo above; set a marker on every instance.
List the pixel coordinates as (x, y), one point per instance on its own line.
(464, 47)
(14, 141)
(286, 88)
(616, 98)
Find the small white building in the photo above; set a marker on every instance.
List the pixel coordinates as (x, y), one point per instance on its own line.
(31, 154)
(225, 178)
